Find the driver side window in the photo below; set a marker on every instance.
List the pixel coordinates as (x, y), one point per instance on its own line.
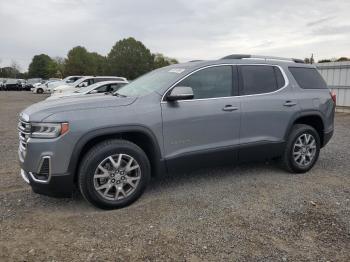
(210, 82)
(102, 89)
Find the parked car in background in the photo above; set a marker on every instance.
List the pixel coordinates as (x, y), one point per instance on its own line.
(86, 81)
(13, 84)
(42, 87)
(68, 80)
(22, 82)
(197, 114)
(104, 87)
(31, 82)
(2, 80)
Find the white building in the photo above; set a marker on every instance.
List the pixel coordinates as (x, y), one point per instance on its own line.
(337, 76)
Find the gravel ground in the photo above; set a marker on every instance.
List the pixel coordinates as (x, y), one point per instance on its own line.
(253, 212)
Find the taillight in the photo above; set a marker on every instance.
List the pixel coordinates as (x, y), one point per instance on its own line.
(334, 96)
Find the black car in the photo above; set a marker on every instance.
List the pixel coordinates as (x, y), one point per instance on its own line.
(12, 85)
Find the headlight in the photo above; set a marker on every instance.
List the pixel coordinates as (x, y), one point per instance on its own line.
(48, 130)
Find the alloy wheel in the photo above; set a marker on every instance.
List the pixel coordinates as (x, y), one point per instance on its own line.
(117, 177)
(304, 149)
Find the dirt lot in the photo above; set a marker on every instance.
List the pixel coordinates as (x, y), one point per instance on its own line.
(254, 212)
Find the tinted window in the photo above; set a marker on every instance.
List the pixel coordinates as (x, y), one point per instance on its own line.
(115, 87)
(308, 78)
(83, 83)
(96, 80)
(279, 77)
(257, 79)
(102, 89)
(210, 82)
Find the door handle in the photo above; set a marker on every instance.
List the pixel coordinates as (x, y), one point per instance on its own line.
(230, 108)
(290, 103)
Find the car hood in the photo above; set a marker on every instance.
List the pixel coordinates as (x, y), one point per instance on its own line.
(60, 87)
(41, 110)
(71, 94)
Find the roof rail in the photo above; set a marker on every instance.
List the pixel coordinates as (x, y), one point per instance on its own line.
(243, 56)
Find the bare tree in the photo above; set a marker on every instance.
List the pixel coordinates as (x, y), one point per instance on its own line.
(16, 68)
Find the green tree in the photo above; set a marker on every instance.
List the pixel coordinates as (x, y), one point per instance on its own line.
(42, 66)
(78, 62)
(9, 72)
(129, 58)
(60, 65)
(82, 62)
(341, 59)
(99, 64)
(159, 60)
(324, 61)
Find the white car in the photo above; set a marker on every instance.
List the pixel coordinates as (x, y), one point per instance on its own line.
(98, 88)
(86, 81)
(68, 80)
(40, 88)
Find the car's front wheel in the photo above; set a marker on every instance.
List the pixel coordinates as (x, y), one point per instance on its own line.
(40, 91)
(114, 174)
(302, 149)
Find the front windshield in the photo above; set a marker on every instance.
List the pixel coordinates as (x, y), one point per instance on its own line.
(150, 82)
(33, 81)
(87, 88)
(77, 82)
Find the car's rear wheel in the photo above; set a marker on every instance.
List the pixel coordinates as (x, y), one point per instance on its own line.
(302, 149)
(114, 174)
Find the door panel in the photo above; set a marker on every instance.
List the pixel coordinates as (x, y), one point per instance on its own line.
(190, 126)
(265, 116)
(209, 124)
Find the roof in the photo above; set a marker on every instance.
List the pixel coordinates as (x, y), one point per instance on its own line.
(244, 59)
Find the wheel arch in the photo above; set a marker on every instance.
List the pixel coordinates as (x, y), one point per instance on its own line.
(141, 136)
(311, 118)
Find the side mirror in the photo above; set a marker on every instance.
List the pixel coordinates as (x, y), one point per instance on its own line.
(180, 93)
(93, 92)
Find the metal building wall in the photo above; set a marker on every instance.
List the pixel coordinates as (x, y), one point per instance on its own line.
(337, 76)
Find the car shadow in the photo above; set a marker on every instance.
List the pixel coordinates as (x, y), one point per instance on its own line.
(161, 183)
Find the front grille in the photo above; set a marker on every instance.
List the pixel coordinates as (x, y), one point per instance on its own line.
(23, 132)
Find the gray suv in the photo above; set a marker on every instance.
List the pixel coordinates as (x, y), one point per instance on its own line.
(190, 115)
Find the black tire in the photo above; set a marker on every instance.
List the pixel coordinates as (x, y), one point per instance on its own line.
(95, 156)
(40, 91)
(288, 161)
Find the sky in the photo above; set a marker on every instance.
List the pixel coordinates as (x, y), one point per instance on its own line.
(183, 29)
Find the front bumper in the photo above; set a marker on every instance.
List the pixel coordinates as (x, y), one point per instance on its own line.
(57, 186)
(44, 163)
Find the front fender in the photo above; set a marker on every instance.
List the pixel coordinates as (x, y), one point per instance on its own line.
(110, 131)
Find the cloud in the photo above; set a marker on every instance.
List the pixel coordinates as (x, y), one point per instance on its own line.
(320, 21)
(332, 30)
(187, 30)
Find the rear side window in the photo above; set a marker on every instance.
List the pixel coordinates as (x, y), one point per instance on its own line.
(259, 79)
(102, 89)
(308, 78)
(279, 78)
